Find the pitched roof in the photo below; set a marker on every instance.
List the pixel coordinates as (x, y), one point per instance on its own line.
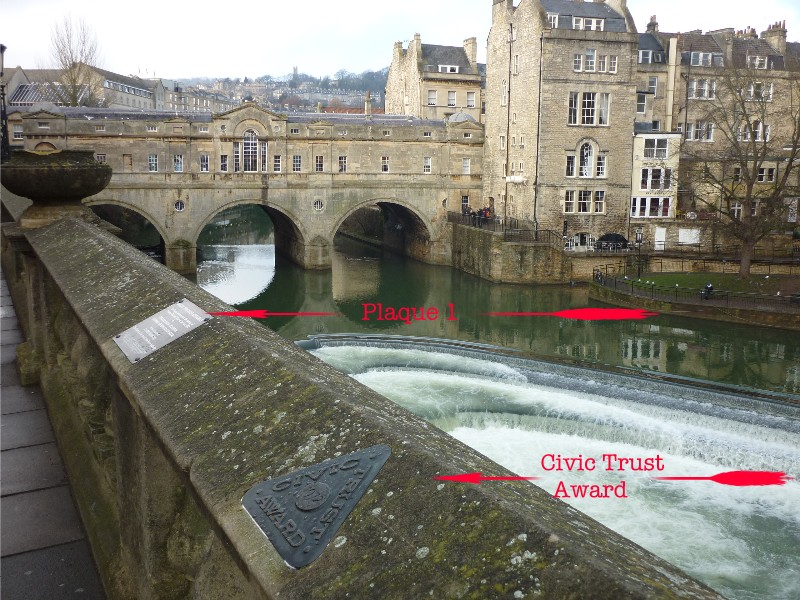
(647, 41)
(566, 9)
(90, 113)
(137, 82)
(433, 54)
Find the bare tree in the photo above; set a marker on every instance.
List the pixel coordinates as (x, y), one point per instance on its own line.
(749, 174)
(74, 53)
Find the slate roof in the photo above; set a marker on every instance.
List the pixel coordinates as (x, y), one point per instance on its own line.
(345, 119)
(743, 47)
(89, 113)
(647, 41)
(43, 75)
(566, 9)
(142, 84)
(435, 55)
(714, 43)
(697, 41)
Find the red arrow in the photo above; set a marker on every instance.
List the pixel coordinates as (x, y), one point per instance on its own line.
(739, 478)
(263, 314)
(476, 478)
(585, 314)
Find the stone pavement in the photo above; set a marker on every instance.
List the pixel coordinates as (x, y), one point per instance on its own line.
(43, 548)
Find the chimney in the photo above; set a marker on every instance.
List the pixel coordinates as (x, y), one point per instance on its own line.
(368, 104)
(652, 26)
(471, 48)
(775, 36)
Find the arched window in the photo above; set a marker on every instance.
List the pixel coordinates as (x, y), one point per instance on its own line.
(585, 161)
(250, 151)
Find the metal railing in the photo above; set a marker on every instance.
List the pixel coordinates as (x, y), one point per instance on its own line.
(513, 230)
(688, 295)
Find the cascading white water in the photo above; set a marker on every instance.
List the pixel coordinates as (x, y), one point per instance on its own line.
(743, 541)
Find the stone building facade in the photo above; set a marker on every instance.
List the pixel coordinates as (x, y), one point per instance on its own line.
(588, 121)
(429, 81)
(688, 85)
(560, 90)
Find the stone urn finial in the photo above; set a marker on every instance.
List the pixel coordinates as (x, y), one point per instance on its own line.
(56, 182)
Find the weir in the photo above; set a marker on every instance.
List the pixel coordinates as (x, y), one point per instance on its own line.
(597, 439)
(161, 452)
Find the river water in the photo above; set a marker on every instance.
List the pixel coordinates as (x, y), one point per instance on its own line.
(742, 541)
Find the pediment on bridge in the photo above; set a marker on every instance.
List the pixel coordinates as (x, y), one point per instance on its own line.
(465, 126)
(250, 110)
(249, 116)
(43, 114)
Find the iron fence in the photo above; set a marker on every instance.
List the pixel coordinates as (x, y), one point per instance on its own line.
(696, 296)
(513, 230)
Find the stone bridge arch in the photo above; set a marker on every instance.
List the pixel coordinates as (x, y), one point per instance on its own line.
(162, 231)
(179, 254)
(408, 231)
(291, 236)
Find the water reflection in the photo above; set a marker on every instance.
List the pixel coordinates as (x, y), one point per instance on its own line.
(253, 278)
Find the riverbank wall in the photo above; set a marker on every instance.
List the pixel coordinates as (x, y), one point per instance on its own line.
(485, 254)
(743, 316)
(161, 451)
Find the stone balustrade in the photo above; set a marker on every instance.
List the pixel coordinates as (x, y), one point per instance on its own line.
(161, 452)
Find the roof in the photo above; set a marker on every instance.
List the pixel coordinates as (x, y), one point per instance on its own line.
(647, 41)
(460, 117)
(90, 113)
(360, 119)
(433, 54)
(566, 9)
(744, 47)
(138, 82)
(30, 94)
(350, 110)
(697, 42)
(43, 75)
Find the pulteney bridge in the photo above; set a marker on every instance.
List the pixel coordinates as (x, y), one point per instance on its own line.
(309, 171)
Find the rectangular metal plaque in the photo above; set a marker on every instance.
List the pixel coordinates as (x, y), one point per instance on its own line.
(159, 330)
(300, 512)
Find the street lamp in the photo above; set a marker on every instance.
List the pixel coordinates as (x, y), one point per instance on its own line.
(5, 148)
(639, 238)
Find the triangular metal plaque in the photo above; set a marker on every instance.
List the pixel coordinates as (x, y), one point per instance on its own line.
(300, 512)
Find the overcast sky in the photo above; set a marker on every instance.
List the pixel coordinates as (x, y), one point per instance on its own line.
(218, 39)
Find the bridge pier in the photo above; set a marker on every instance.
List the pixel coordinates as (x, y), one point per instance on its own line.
(181, 257)
(314, 255)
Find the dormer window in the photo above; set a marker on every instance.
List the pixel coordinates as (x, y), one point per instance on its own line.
(552, 20)
(448, 69)
(757, 62)
(706, 59)
(588, 24)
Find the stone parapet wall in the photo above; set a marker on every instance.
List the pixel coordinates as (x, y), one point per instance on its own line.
(161, 451)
